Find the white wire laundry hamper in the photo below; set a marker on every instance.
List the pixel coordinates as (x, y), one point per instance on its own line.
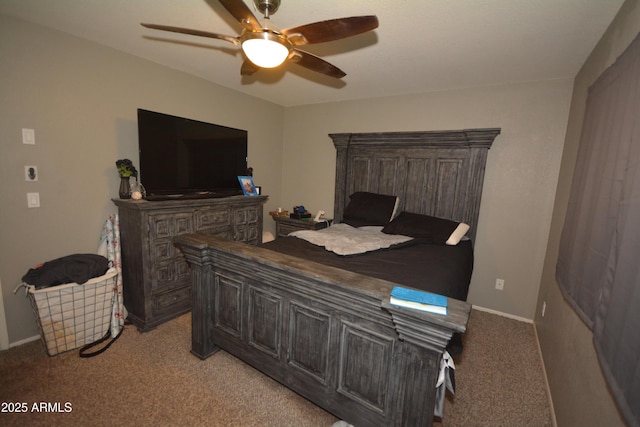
(70, 316)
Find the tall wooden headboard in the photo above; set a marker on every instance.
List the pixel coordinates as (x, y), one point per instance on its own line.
(438, 173)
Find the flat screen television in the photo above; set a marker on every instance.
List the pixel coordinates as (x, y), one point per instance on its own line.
(184, 158)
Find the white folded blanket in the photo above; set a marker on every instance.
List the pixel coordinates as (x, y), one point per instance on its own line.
(344, 239)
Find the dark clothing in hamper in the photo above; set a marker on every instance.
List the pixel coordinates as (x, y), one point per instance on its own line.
(77, 268)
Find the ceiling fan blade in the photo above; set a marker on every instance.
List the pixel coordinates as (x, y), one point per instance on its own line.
(242, 13)
(314, 63)
(333, 29)
(231, 39)
(248, 68)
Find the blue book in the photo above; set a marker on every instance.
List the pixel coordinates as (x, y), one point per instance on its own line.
(418, 300)
(415, 295)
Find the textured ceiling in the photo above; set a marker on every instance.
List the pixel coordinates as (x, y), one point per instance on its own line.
(420, 45)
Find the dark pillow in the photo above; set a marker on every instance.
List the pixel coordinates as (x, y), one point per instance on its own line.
(369, 209)
(428, 228)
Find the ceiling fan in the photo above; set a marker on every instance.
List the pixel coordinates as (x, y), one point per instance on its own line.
(266, 46)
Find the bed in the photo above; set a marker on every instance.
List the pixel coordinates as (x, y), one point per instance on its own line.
(331, 334)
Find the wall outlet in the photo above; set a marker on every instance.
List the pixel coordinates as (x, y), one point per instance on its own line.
(500, 284)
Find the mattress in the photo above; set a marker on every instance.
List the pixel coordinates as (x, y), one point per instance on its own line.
(436, 268)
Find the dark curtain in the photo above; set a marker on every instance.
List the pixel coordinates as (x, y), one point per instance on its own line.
(598, 267)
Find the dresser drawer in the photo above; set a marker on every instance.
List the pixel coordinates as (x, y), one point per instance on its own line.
(285, 229)
(169, 273)
(247, 216)
(163, 250)
(223, 233)
(212, 218)
(248, 234)
(166, 226)
(171, 301)
(284, 226)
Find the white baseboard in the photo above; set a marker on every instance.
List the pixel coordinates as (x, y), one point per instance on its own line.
(24, 341)
(500, 313)
(546, 379)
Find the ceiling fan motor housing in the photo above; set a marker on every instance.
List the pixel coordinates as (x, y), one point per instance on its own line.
(267, 7)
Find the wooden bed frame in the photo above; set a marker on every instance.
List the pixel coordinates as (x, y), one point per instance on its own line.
(329, 334)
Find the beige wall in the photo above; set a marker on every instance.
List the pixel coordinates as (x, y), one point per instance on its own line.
(579, 392)
(81, 100)
(520, 177)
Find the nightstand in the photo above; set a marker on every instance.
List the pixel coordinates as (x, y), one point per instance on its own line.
(285, 225)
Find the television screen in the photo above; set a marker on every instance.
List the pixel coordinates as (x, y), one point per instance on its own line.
(187, 158)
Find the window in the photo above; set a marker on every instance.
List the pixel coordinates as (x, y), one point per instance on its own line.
(598, 267)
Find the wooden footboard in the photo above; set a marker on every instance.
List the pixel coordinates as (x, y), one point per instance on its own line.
(328, 334)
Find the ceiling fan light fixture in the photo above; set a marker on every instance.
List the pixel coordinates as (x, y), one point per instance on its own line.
(265, 49)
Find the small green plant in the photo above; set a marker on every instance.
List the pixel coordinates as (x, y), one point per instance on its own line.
(126, 168)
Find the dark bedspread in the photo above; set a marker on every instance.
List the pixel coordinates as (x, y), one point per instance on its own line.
(436, 268)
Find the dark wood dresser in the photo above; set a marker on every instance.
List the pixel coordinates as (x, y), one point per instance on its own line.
(156, 276)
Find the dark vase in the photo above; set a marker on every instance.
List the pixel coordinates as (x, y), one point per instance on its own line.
(125, 188)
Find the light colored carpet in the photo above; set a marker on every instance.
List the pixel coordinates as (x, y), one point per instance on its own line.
(152, 379)
(499, 376)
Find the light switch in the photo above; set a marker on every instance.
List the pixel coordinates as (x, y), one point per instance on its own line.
(28, 136)
(33, 200)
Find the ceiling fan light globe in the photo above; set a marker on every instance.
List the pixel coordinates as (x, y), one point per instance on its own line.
(264, 51)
